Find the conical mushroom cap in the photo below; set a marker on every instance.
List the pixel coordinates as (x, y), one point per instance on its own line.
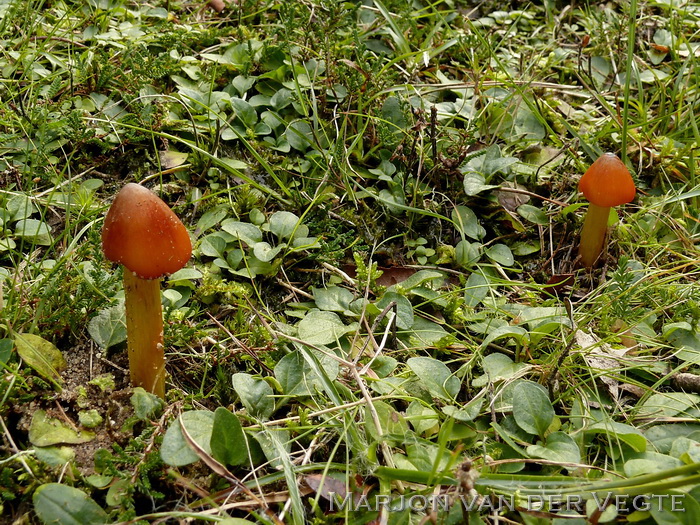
(142, 233)
(607, 182)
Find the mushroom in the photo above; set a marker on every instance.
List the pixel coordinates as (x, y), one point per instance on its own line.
(144, 235)
(605, 184)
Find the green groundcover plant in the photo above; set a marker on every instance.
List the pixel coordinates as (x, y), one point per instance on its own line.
(385, 318)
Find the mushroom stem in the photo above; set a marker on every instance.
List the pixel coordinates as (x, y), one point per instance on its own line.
(595, 226)
(144, 331)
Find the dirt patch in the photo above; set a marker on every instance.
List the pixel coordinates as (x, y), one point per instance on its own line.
(93, 385)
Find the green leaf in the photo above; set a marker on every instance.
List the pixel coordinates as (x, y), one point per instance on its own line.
(39, 232)
(20, 206)
(468, 412)
(540, 318)
(228, 442)
(498, 367)
(517, 332)
(276, 446)
(281, 99)
(254, 266)
(532, 409)
(475, 183)
(509, 437)
(256, 395)
(185, 274)
(687, 450)
(264, 252)
(393, 113)
(294, 375)
(649, 463)
(212, 217)
(424, 455)
(489, 163)
(435, 376)
(467, 253)
(299, 135)
(246, 232)
(175, 451)
(118, 493)
(522, 248)
(525, 125)
(169, 159)
(394, 199)
(426, 333)
(108, 327)
(244, 112)
(419, 279)
(619, 431)
(663, 437)
(62, 505)
(333, 299)
(304, 243)
(558, 447)
(213, 245)
(467, 223)
(322, 328)
(423, 419)
(393, 425)
(242, 84)
(404, 309)
(45, 431)
(475, 289)
(41, 355)
(533, 214)
(298, 378)
(6, 346)
(686, 340)
(7, 243)
(146, 405)
(668, 510)
(501, 254)
(283, 224)
(105, 382)
(57, 456)
(90, 418)
(669, 404)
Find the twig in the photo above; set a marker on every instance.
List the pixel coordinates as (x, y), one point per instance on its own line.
(238, 342)
(339, 272)
(17, 453)
(533, 195)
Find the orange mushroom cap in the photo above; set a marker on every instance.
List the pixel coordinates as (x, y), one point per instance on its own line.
(607, 182)
(142, 233)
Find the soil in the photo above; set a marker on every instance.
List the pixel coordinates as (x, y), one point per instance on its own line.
(81, 392)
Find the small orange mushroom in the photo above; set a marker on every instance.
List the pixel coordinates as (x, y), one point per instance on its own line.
(144, 235)
(605, 184)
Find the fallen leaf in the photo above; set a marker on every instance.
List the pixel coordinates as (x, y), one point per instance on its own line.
(326, 486)
(601, 356)
(558, 283)
(172, 159)
(511, 200)
(687, 382)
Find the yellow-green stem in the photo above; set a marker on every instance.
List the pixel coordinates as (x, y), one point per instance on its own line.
(144, 332)
(595, 226)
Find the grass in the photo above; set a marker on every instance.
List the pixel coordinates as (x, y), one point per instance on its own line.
(383, 318)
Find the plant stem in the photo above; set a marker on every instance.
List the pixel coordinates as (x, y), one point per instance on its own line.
(629, 64)
(595, 226)
(144, 332)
